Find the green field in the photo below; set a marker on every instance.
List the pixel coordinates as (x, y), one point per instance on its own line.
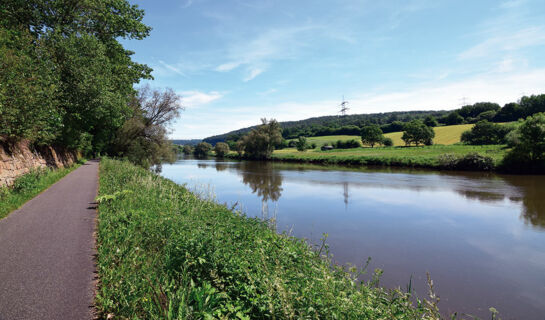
(164, 253)
(424, 156)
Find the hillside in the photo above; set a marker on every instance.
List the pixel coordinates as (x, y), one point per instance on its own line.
(292, 129)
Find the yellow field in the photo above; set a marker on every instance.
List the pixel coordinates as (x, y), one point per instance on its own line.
(443, 135)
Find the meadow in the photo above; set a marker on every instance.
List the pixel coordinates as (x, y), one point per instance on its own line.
(424, 156)
(164, 253)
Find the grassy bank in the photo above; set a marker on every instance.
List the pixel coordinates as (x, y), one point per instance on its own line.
(424, 157)
(163, 253)
(28, 186)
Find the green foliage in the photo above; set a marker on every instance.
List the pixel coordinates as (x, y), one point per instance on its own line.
(187, 149)
(371, 135)
(66, 78)
(301, 144)
(28, 186)
(221, 149)
(453, 118)
(347, 144)
(163, 253)
(202, 149)
(430, 121)
(485, 132)
(469, 162)
(261, 141)
(418, 133)
(387, 142)
(528, 153)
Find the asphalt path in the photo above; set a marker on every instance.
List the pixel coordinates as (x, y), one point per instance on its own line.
(47, 252)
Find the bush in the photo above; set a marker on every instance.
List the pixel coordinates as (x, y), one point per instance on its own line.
(348, 144)
(301, 144)
(387, 142)
(471, 162)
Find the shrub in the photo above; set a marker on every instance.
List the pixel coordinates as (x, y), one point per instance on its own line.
(471, 162)
(348, 144)
(202, 149)
(528, 153)
(485, 132)
(387, 142)
(301, 144)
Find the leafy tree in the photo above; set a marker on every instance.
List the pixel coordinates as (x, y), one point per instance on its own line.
(143, 137)
(302, 144)
(453, 118)
(202, 149)
(221, 149)
(348, 144)
(485, 132)
(510, 112)
(371, 135)
(430, 121)
(187, 149)
(528, 153)
(261, 141)
(472, 111)
(418, 133)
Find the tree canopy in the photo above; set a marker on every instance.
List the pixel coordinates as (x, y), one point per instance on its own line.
(371, 135)
(418, 133)
(261, 141)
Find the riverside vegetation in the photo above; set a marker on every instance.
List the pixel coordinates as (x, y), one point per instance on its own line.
(164, 253)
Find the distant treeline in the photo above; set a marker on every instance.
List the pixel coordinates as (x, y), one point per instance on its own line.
(394, 121)
(181, 142)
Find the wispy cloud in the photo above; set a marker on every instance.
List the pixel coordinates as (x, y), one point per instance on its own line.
(198, 98)
(256, 54)
(172, 68)
(187, 4)
(507, 42)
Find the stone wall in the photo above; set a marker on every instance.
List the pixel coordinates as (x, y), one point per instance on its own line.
(20, 158)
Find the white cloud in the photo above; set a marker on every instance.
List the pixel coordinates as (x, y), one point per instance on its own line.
(187, 4)
(172, 68)
(253, 72)
(275, 44)
(506, 42)
(198, 98)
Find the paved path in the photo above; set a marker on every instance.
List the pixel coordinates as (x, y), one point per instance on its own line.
(46, 252)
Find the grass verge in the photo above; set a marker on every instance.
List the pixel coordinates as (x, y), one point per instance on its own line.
(30, 185)
(164, 253)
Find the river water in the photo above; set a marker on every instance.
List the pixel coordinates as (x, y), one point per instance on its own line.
(480, 236)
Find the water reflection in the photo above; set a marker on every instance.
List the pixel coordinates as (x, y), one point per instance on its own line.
(480, 235)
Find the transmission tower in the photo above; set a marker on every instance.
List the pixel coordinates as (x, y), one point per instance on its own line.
(344, 107)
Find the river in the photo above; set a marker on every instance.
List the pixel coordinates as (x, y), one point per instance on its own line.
(480, 236)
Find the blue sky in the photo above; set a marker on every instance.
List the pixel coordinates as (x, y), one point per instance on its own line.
(236, 61)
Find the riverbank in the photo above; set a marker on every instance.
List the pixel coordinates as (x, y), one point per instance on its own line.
(440, 157)
(165, 253)
(29, 185)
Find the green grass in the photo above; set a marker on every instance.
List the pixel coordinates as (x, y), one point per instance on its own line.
(28, 186)
(163, 253)
(425, 156)
(320, 141)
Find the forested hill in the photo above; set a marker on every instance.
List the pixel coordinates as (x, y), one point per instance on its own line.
(394, 121)
(329, 125)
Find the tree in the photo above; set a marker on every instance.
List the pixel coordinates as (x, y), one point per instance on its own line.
(202, 149)
(430, 121)
(528, 153)
(453, 118)
(484, 132)
(221, 149)
(371, 135)
(187, 149)
(387, 142)
(261, 141)
(143, 137)
(302, 144)
(418, 133)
